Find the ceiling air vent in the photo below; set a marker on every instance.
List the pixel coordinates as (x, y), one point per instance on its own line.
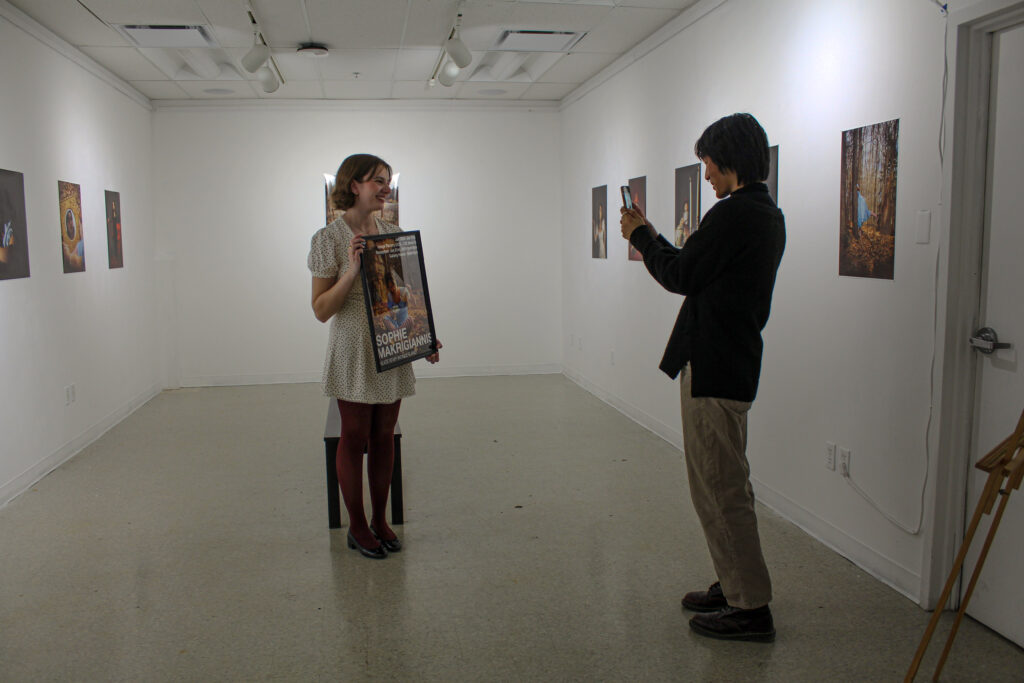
(537, 41)
(176, 36)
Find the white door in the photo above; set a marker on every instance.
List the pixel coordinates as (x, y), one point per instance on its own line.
(998, 599)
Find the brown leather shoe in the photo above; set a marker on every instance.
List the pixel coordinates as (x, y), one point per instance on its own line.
(710, 600)
(733, 623)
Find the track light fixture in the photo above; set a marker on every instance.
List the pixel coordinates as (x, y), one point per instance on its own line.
(457, 50)
(454, 56)
(268, 81)
(449, 72)
(257, 56)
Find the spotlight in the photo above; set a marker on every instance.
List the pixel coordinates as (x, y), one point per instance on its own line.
(448, 74)
(257, 56)
(267, 79)
(458, 51)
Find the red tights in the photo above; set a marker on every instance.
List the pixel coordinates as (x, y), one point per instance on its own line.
(368, 428)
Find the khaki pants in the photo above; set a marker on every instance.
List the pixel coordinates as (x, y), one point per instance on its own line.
(715, 444)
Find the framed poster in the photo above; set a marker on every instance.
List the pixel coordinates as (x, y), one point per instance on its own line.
(638, 193)
(388, 213)
(687, 202)
(397, 299)
(115, 252)
(71, 238)
(13, 226)
(867, 200)
(599, 222)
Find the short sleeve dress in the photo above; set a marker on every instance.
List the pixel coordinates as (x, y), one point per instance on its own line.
(349, 369)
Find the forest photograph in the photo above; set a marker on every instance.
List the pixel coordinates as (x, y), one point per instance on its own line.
(867, 202)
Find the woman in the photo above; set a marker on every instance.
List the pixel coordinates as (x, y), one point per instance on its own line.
(367, 400)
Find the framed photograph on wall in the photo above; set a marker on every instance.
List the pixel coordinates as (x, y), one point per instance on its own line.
(115, 252)
(599, 222)
(13, 226)
(867, 201)
(773, 173)
(638, 193)
(71, 237)
(397, 299)
(687, 202)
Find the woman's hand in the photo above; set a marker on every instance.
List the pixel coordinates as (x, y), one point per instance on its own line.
(434, 357)
(355, 250)
(630, 220)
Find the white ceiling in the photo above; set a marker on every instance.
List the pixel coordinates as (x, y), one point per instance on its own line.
(379, 49)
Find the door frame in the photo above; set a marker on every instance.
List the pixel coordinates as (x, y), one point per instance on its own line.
(969, 44)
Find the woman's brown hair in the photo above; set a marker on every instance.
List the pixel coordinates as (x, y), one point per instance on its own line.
(356, 167)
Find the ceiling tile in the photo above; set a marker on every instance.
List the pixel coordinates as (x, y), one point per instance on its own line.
(71, 21)
(625, 28)
(413, 65)
(229, 22)
(358, 24)
(577, 67)
(295, 90)
(415, 90)
(160, 90)
(295, 67)
(429, 23)
(146, 11)
(678, 5)
(126, 62)
(357, 90)
(483, 21)
(371, 65)
(549, 91)
(491, 91)
(283, 22)
(237, 89)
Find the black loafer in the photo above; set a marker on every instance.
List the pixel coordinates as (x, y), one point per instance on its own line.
(391, 546)
(710, 600)
(733, 623)
(378, 553)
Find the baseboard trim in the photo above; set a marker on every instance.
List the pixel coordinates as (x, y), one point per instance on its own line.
(885, 569)
(673, 435)
(30, 477)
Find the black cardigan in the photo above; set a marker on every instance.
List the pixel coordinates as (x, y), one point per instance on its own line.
(726, 270)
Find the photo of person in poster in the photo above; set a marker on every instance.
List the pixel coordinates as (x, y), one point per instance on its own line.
(72, 240)
(687, 202)
(638, 193)
(115, 253)
(867, 202)
(397, 299)
(599, 222)
(13, 226)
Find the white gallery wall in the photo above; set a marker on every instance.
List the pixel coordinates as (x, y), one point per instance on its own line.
(846, 360)
(96, 330)
(242, 192)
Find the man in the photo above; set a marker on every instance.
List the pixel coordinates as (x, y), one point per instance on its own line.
(726, 270)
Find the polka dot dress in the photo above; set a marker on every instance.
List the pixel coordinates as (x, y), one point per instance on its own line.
(349, 370)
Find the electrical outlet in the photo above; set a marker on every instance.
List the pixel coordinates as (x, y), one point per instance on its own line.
(67, 395)
(612, 359)
(844, 461)
(830, 456)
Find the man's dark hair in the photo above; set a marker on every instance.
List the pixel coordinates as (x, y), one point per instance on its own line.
(736, 143)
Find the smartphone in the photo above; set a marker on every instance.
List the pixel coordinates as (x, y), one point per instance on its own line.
(627, 200)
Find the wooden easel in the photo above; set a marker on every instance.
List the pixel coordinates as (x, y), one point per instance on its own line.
(1005, 462)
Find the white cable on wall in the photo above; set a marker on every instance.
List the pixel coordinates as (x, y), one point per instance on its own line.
(848, 475)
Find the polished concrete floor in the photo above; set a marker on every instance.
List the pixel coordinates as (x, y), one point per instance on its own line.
(547, 537)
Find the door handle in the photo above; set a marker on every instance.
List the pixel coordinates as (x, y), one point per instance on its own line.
(987, 341)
